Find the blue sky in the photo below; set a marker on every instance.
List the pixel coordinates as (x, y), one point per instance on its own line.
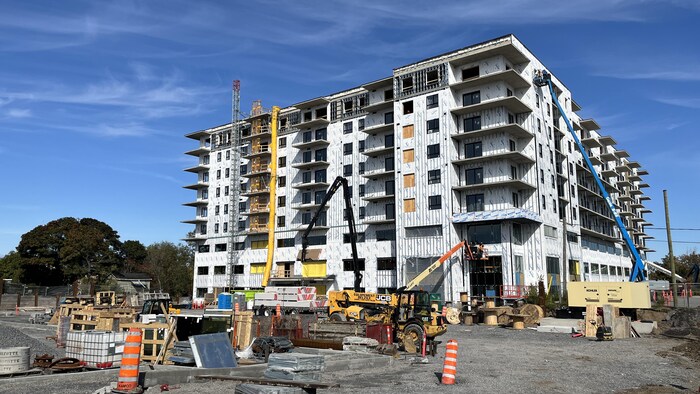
(95, 97)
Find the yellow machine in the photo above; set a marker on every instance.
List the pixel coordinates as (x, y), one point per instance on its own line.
(620, 294)
(409, 313)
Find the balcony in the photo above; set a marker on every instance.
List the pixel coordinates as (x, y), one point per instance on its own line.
(314, 122)
(591, 142)
(254, 191)
(378, 219)
(584, 208)
(378, 150)
(512, 103)
(258, 229)
(319, 226)
(634, 178)
(374, 197)
(311, 143)
(517, 184)
(379, 128)
(380, 105)
(625, 197)
(607, 156)
(623, 182)
(257, 209)
(610, 173)
(503, 47)
(257, 170)
(310, 184)
(196, 220)
(511, 77)
(257, 131)
(199, 167)
(199, 151)
(590, 124)
(380, 172)
(308, 205)
(644, 198)
(635, 191)
(197, 202)
(309, 164)
(196, 237)
(597, 233)
(636, 205)
(196, 186)
(260, 150)
(513, 129)
(607, 140)
(515, 157)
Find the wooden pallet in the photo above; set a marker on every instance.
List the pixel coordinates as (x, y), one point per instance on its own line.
(152, 338)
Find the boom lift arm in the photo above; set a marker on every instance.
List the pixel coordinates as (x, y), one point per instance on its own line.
(543, 78)
(337, 183)
(419, 278)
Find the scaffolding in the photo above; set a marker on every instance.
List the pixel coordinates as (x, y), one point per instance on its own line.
(235, 183)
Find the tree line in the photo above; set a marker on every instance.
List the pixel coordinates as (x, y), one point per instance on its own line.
(67, 250)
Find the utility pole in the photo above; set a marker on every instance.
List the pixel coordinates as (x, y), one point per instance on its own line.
(670, 251)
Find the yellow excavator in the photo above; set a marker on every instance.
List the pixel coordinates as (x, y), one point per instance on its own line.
(408, 311)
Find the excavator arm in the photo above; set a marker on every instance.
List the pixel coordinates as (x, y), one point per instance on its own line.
(337, 183)
(542, 79)
(419, 278)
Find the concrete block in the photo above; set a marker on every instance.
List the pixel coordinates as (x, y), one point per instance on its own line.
(552, 321)
(556, 329)
(621, 327)
(644, 327)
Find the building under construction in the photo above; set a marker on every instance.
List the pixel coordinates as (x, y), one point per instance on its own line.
(458, 146)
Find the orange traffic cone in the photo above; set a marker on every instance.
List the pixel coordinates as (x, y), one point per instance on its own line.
(128, 381)
(449, 368)
(279, 310)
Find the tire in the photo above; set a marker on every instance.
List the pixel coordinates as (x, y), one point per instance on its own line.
(412, 338)
(336, 316)
(263, 311)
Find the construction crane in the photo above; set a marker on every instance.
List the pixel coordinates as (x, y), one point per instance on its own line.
(544, 78)
(420, 277)
(337, 183)
(235, 186)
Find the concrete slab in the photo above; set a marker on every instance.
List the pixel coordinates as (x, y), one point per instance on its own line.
(644, 327)
(556, 329)
(552, 321)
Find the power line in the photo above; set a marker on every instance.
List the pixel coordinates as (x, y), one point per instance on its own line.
(675, 242)
(675, 229)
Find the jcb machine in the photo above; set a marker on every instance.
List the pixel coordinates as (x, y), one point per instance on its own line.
(408, 311)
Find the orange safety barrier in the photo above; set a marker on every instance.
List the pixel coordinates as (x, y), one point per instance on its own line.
(444, 310)
(236, 308)
(449, 368)
(129, 372)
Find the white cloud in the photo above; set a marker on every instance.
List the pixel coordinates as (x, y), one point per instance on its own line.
(693, 103)
(18, 113)
(662, 74)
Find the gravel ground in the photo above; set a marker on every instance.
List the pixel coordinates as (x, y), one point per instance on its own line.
(490, 360)
(16, 332)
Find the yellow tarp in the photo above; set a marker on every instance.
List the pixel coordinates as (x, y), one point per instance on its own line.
(313, 269)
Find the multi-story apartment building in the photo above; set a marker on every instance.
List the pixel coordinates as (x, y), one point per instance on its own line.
(458, 146)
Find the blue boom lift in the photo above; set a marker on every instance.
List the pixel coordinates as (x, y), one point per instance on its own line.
(542, 79)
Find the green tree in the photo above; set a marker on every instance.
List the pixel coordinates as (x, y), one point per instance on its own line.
(171, 266)
(11, 267)
(68, 249)
(684, 263)
(135, 255)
